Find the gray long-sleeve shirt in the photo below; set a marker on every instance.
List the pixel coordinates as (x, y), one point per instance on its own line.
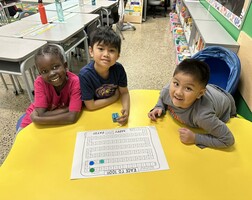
(210, 113)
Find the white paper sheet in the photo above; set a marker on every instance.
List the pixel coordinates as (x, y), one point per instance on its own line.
(117, 151)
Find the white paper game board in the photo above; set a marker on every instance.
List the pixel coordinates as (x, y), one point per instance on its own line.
(117, 151)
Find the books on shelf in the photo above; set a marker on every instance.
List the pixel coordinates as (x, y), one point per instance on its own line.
(187, 28)
(179, 34)
(197, 43)
(191, 27)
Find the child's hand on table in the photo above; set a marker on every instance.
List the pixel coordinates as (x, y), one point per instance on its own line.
(186, 136)
(122, 120)
(156, 112)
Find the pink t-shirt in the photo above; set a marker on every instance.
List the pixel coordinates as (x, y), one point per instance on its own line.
(46, 97)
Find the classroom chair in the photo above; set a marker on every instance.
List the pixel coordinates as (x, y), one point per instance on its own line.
(3, 21)
(3, 17)
(121, 25)
(19, 121)
(154, 4)
(78, 52)
(24, 14)
(116, 17)
(225, 66)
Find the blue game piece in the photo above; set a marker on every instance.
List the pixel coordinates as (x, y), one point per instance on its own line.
(91, 163)
(115, 116)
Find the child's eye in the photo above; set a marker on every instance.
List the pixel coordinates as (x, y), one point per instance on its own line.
(175, 83)
(112, 50)
(44, 72)
(188, 89)
(100, 48)
(55, 67)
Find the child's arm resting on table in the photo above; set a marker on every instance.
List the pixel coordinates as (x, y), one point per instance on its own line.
(218, 134)
(160, 107)
(125, 100)
(57, 116)
(99, 103)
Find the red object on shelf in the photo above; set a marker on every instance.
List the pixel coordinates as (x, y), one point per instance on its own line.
(42, 12)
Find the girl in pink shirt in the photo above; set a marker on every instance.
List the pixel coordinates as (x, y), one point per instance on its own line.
(57, 97)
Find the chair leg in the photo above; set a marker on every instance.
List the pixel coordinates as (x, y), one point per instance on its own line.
(118, 28)
(5, 85)
(154, 11)
(69, 59)
(128, 26)
(18, 84)
(31, 74)
(14, 84)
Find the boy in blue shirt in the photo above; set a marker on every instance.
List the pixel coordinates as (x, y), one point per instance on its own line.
(104, 80)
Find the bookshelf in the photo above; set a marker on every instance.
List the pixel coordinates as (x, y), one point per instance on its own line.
(198, 28)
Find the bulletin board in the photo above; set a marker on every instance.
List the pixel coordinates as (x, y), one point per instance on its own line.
(233, 10)
(244, 54)
(133, 11)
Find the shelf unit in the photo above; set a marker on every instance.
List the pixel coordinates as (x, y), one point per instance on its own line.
(180, 42)
(200, 28)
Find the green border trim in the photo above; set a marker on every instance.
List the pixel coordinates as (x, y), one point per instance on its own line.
(242, 107)
(247, 21)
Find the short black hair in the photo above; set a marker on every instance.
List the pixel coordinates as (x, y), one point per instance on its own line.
(51, 49)
(107, 36)
(198, 69)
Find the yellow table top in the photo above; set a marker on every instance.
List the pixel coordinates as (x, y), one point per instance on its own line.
(39, 164)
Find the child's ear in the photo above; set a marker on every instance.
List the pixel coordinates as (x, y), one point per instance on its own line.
(201, 93)
(37, 69)
(90, 49)
(66, 65)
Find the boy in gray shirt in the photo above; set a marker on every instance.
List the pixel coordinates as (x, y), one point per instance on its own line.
(191, 101)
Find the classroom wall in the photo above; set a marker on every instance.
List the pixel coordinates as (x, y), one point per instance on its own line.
(242, 107)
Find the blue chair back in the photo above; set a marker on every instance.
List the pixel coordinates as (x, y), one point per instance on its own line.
(225, 66)
(20, 121)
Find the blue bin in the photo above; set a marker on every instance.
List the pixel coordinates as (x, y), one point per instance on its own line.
(225, 66)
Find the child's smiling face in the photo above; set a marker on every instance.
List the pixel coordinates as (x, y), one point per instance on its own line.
(104, 55)
(185, 90)
(52, 70)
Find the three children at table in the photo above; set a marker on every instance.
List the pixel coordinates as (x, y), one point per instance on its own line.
(188, 98)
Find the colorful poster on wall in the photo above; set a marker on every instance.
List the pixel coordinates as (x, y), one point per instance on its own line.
(133, 11)
(233, 10)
